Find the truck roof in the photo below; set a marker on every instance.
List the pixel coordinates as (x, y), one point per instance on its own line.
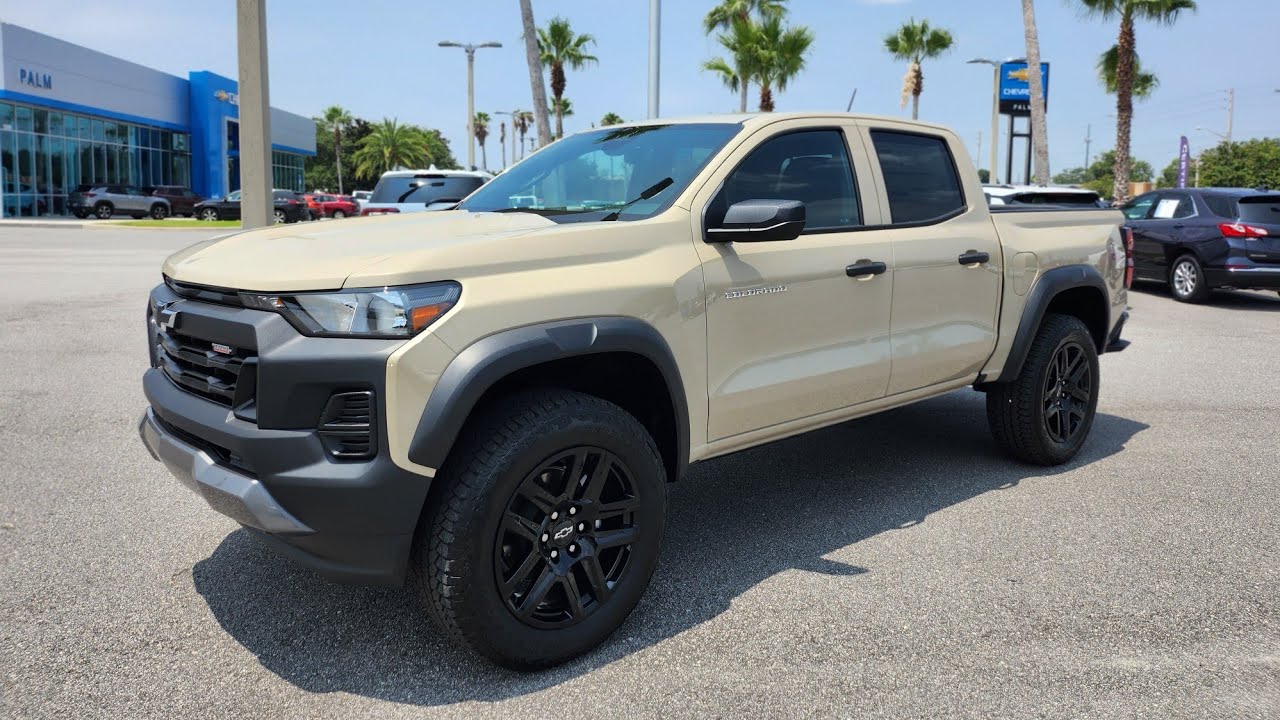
(758, 119)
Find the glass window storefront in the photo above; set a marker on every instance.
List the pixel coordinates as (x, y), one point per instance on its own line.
(286, 171)
(45, 154)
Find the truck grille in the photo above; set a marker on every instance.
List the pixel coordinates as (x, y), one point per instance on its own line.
(217, 372)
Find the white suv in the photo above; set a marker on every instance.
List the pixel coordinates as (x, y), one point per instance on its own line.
(401, 191)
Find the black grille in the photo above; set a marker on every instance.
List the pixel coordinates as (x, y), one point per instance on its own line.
(214, 371)
(346, 426)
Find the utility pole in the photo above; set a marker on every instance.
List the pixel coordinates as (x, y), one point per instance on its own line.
(1231, 110)
(1088, 140)
(655, 54)
(257, 204)
(471, 93)
(979, 153)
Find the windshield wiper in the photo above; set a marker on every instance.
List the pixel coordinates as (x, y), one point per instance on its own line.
(649, 192)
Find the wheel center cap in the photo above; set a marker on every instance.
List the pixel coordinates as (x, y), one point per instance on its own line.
(562, 534)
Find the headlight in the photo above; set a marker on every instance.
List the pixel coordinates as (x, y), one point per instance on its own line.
(388, 312)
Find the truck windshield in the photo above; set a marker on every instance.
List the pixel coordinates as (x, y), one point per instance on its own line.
(590, 175)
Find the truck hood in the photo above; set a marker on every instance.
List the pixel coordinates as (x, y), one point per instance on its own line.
(325, 256)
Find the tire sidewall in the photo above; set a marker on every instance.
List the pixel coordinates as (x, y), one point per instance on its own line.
(1064, 451)
(1200, 289)
(487, 611)
(159, 212)
(104, 210)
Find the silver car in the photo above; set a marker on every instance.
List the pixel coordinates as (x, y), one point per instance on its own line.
(103, 201)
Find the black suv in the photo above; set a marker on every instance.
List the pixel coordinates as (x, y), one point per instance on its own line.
(289, 207)
(1199, 239)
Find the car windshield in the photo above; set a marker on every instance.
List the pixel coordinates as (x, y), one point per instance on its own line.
(590, 175)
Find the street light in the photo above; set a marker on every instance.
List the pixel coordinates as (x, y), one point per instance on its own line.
(993, 174)
(470, 49)
(1213, 132)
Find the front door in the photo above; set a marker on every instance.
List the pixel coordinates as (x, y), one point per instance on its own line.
(790, 334)
(947, 261)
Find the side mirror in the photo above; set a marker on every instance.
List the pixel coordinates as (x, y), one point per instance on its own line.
(759, 221)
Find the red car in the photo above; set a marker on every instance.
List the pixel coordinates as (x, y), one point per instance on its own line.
(314, 210)
(336, 206)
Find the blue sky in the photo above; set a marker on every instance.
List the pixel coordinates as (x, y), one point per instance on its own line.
(399, 71)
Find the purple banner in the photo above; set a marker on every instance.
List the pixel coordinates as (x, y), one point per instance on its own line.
(1184, 162)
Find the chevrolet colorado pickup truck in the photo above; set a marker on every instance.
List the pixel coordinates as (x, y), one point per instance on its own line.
(489, 401)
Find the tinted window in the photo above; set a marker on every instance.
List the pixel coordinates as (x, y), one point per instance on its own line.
(1220, 205)
(1075, 199)
(812, 167)
(1137, 208)
(919, 176)
(1261, 209)
(1174, 206)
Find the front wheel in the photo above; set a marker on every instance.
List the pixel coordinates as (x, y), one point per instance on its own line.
(544, 528)
(159, 211)
(209, 214)
(1187, 281)
(1043, 416)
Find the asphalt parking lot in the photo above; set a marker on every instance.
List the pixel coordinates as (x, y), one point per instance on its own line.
(895, 566)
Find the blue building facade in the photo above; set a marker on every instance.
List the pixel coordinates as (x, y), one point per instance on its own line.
(71, 116)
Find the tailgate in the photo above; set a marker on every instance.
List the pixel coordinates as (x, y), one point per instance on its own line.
(1262, 212)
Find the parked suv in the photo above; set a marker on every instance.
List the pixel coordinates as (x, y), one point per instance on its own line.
(105, 201)
(1199, 239)
(489, 402)
(404, 191)
(289, 207)
(182, 200)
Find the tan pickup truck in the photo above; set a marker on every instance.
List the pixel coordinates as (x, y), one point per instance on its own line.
(490, 400)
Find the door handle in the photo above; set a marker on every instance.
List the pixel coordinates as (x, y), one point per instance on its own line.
(973, 257)
(865, 269)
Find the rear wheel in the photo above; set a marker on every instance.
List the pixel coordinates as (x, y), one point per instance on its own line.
(338, 214)
(1187, 281)
(1043, 416)
(209, 214)
(280, 217)
(544, 528)
(104, 210)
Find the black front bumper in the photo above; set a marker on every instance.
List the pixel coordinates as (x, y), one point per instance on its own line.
(265, 464)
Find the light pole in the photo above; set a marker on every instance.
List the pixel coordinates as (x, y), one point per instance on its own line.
(993, 174)
(470, 49)
(655, 54)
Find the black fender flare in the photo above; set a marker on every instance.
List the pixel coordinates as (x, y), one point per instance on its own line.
(1047, 287)
(488, 360)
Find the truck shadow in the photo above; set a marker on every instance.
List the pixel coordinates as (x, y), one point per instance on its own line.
(732, 525)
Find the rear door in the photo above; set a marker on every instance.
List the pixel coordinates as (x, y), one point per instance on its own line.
(946, 257)
(1174, 222)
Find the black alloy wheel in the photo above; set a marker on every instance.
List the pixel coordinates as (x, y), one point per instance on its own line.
(565, 538)
(1068, 389)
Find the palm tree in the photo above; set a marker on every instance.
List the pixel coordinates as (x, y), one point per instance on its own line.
(481, 124)
(1144, 83)
(563, 108)
(611, 119)
(742, 43)
(388, 146)
(724, 17)
(915, 42)
(559, 46)
(502, 140)
(1039, 124)
(534, 58)
(779, 57)
(336, 118)
(520, 122)
(1163, 12)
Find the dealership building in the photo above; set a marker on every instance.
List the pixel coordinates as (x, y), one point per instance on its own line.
(72, 116)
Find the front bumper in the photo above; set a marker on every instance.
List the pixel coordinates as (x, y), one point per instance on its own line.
(265, 463)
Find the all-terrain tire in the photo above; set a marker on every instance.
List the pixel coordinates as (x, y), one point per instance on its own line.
(459, 545)
(1022, 413)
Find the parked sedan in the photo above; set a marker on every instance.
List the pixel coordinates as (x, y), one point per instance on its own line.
(1200, 239)
(289, 207)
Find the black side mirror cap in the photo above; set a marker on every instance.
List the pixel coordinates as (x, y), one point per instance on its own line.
(759, 221)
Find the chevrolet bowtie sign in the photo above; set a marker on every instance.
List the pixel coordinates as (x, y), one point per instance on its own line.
(1015, 87)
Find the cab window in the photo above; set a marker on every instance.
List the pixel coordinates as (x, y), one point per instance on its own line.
(1139, 207)
(920, 176)
(811, 166)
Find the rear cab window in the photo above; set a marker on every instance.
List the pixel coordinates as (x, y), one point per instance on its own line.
(920, 177)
